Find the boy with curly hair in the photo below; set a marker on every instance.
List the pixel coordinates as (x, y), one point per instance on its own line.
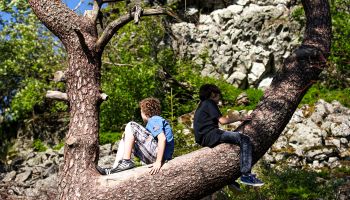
(152, 144)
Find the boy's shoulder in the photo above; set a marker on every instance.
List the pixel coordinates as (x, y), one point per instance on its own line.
(156, 118)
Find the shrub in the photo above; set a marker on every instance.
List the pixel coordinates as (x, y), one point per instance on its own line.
(287, 183)
(39, 146)
(109, 137)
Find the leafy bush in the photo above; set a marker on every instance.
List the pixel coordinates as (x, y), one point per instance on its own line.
(319, 91)
(184, 143)
(338, 75)
(288, 183)
(58, 146)
(39, 146)
(109, 137)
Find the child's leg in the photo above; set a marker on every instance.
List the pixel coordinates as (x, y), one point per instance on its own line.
(145, 145)
(129, 140)
(120, 153)
(246, 148)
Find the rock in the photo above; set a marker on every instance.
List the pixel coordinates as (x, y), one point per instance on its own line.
(242, 99)
(23, 176)
(257, 71)
(332, 141)
(10, 176)
(307, 137)
(50, 171)
(254, 35)
(34, 161)
(265, 83)
(105, 149)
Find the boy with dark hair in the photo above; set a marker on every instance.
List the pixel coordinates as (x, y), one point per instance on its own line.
(153, 144)
(207, 133)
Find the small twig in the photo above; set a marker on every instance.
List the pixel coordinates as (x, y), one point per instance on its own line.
(79, 4)
(118, 64)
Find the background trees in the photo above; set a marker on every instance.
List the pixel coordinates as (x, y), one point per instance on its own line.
(29, 56)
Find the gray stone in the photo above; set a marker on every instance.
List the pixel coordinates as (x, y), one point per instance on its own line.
(333, 141)
(10, 176)
(23, 176)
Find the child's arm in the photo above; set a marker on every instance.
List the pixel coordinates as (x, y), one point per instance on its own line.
(227, 120)
(160, 153)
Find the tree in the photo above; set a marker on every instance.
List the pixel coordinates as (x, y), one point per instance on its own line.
(190, 176)
(29, 55)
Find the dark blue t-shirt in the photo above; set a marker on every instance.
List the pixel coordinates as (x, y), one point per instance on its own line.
(206, 123)
(157, 125)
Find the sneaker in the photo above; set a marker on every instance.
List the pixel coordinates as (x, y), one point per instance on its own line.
(101, 170)
(250, 179)
(122, 165)
(235, 186)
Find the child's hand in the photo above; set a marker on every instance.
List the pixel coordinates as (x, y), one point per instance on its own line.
(156, 168)
(247, 118)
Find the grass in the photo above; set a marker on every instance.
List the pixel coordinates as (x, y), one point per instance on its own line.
(109, 137)
(39, 146)
(288, 183)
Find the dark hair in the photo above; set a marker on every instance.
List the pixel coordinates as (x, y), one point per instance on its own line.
(206, 90)
(150, 106)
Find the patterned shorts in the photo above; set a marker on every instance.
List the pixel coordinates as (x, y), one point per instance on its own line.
(145, 144)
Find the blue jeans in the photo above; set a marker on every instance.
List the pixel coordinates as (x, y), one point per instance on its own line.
(245, 144)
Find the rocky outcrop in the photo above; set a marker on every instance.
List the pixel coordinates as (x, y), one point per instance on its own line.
(244, 43)
(33, 175)
(316, 137)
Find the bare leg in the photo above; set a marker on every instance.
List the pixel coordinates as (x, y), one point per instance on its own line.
(120, 152)
(129, 141)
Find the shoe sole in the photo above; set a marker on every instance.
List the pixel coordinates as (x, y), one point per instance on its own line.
(120, 170)
(253, 184)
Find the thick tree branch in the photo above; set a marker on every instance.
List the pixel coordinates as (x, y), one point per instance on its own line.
(199, 173)
(114, 26)
(50, 13)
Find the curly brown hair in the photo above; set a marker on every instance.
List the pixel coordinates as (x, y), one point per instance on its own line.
(150, 106)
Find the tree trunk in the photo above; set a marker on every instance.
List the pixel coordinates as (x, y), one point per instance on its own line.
(190, 176)
(81, 147)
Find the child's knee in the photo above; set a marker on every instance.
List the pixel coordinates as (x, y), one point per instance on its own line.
(128, 129)
(245, 138)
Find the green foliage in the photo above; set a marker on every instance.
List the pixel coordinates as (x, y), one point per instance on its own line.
(339, 67)
(39, 146)
(109, 137)
(130, 70)
(58, 146)
(29, 56)
(254, 96)
(319, 91)
(288, 183)
(184, 143)
(298, 15)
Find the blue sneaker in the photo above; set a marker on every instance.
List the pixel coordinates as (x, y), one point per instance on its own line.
(250, 179)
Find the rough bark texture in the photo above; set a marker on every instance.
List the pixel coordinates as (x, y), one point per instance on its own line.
(78, 35)
(190, 176)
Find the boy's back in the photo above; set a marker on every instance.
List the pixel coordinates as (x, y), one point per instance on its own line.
(206, 124)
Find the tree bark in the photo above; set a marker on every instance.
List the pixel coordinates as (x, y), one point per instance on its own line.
(190, 176)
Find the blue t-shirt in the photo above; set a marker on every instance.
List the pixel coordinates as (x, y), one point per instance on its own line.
(157, 125)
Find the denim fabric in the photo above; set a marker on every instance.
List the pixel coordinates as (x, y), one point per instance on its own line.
(245, 144)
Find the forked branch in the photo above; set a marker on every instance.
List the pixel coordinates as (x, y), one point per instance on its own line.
(115, 25)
